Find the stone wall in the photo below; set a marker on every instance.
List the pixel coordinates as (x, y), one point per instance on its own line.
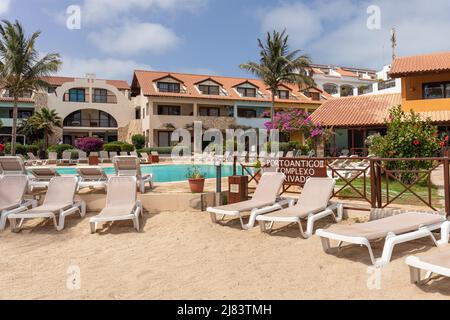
(127, 132)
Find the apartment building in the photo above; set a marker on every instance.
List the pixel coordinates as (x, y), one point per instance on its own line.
(165, 101)
(342, 81)
(91, 107)
(425, 88)
(26, 106)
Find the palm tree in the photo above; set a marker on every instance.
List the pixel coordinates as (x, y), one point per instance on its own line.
(278, 65)
(21, 68)
(45, 121)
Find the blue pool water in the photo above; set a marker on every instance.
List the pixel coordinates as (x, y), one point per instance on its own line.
(168, 173)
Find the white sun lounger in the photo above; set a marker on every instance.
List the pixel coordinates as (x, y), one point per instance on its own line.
(82, 157)
(265, 199)
(121, 203)
(41, 177)
(313, 205)
(437, 263)
(396, 229)
(92, 177)
(103, 156)
(12, 166)
(59, 202)
(12, 192)
(131, 166)
(66, 158)
(52, 158)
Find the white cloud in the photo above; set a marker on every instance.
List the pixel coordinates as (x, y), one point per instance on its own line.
(100, 11)
(4, 6)
(135, 38)
(335, 32)
(103, 68)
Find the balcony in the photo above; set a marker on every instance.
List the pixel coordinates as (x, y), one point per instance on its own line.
(8, 122)
(90, 123)
(66, 98)
(110, 98)
(386, 84)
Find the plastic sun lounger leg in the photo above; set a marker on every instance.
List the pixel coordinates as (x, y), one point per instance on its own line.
(137, 212)
(5, 214)
(79, 207)
(312, 218)
(256, 212)
(392, 240)
(445, 233)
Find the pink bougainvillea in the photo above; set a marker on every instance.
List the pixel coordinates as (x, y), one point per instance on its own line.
(89, 144)
(297, 120)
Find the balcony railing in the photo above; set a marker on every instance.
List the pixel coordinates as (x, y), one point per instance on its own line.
(110, 98)
(66, 98)
(386, 84)
(90, 123)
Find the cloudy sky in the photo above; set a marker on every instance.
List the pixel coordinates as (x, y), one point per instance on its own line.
(215, 36)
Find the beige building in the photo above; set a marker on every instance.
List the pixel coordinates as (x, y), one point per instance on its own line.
(167, 101)
(92, 107)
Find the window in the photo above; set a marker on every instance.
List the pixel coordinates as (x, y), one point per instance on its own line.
(436, 90)
(164, 138)
(169, 110)
(283, 94)
(210, 90)
(247, 92)
(77, 95)
(22, 114)
(209, 112)
(330, 88)
(100, 95)
(169, 87)
(246, 113)
(137, 113)
(51, 90)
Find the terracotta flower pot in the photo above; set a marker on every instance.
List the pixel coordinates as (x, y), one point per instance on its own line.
(258, 176)
(197, 185)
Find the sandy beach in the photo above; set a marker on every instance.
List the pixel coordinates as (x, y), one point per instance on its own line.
(182, 255)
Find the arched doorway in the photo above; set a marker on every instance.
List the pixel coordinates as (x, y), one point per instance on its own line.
(89, 123)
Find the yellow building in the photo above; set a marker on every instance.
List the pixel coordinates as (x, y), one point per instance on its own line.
(425, 81)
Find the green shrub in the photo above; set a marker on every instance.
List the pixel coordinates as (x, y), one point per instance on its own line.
(407, 136)
(112, 147)
(73, 153)
(34, 149)
(138, 141)
(20, 149)
(59, 148)
(126, 147)
(160, 150)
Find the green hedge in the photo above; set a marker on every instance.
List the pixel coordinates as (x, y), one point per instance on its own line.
(160, 150)
(118, 146)
(60, 148)
(22, 149)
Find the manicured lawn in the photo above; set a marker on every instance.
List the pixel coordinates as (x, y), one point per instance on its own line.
(395, 188)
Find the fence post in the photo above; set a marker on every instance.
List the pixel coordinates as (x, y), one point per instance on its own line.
(446, 186)
(379, 191)
(373, 184)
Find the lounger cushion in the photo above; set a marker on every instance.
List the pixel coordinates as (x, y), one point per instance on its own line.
(243, 206)
(399, 224)
(48, 208)
(300, 212)
(116, 211)
(441, 259)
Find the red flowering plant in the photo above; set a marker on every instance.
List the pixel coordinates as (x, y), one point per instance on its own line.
(407, 136)
(2, 148)
(89, 144)
(298, 120)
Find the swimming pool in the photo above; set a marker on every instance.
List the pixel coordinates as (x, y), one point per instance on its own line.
(168, 173)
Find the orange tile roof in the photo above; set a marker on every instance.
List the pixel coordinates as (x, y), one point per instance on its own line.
(146, 81)
(8, 99)
(436, 62)
(59, 81)
(356, 111)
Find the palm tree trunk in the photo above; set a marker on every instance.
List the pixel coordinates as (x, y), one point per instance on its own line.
(14, 127)
(272, 108)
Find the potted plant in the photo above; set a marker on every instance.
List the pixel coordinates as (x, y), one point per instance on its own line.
(196, 180)
(258, 167)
